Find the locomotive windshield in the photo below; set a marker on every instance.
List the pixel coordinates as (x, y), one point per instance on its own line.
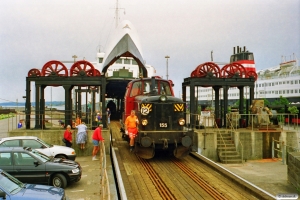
(144, 87)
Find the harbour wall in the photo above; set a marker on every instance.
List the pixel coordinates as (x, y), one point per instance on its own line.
(253, 144)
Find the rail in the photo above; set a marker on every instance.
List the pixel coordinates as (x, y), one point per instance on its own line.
(49, 120)
(281, 120)
(240, 142)
(279, 146)
(104, 182)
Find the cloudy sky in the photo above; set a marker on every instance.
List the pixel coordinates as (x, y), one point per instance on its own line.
(33, 32)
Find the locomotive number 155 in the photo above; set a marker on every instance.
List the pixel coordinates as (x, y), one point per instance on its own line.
(163, 125)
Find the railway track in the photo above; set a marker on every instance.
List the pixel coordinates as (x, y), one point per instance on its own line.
(165, 177)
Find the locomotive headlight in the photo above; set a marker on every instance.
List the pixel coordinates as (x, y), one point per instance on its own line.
(181, 121)
(163, 98)
(144, 122)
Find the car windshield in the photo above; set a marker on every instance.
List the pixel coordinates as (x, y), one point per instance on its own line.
(10, 184)
(41, 156)
(45, 143)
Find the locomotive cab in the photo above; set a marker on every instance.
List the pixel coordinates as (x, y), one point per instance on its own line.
(161, 116)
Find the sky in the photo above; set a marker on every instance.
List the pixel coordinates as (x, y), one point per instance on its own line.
(33, 32)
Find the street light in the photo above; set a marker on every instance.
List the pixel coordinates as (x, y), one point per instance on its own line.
(167, 57)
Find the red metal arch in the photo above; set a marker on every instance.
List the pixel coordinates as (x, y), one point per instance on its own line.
(252, 73)
(204, 69)
(54, 67)
(82, 67)
(34, 72)
(194, 73)
(229, 70)
(97, 72)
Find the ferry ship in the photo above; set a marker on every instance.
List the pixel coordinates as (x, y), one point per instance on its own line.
(124, 41)
(282, 80)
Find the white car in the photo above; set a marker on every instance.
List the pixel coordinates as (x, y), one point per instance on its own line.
(40, 145)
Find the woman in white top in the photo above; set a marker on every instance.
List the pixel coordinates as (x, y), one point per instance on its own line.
(81, 135)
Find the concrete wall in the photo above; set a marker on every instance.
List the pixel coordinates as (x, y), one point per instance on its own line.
(207, 144)
(256, 145)
(55, 137)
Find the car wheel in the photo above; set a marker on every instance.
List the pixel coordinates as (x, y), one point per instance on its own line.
(61, 156)
(59, 180)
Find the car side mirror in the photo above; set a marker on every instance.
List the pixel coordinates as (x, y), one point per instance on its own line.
(36, 163)
(2, 194)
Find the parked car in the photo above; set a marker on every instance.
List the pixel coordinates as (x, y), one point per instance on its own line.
(31, 166)
(13, 189)
(40, 145)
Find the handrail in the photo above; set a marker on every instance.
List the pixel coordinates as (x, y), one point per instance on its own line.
(104, 181)
(233, 130)
(283, 149)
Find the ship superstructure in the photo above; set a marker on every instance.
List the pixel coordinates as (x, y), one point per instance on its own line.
(282, 80)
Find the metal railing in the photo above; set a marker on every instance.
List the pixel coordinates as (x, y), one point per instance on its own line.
(290, 120)
(282, 149)
(49, 120)
(104, 181)
(241, 151)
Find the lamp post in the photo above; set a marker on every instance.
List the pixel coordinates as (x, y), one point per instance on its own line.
(167, 57)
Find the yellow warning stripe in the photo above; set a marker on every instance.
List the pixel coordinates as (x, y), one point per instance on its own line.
(178, 107)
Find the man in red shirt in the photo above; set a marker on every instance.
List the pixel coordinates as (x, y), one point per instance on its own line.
(97, 137)
(131, 128)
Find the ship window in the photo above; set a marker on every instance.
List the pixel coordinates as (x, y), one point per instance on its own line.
(279, 91)
(296, 91)
(272, 84)
(287, 82)
(259, 85)
(276, 83)
(296, 81)
(292, 91)
(283, 82)
(134, 62)
(100, 60)
(286, 91)
(119, 61)
(280, 83)
(127, 61)
(292, 82)
(272, 92)
(276, 92)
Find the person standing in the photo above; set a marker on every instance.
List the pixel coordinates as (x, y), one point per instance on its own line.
(78, 121)
(131, 128)
(108, 115)
(20, 124)
(97, 137)
(98, 119)
(68, 136)
(81, 135)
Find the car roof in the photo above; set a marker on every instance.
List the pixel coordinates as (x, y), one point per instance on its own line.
(18, 137)
(9, 149)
